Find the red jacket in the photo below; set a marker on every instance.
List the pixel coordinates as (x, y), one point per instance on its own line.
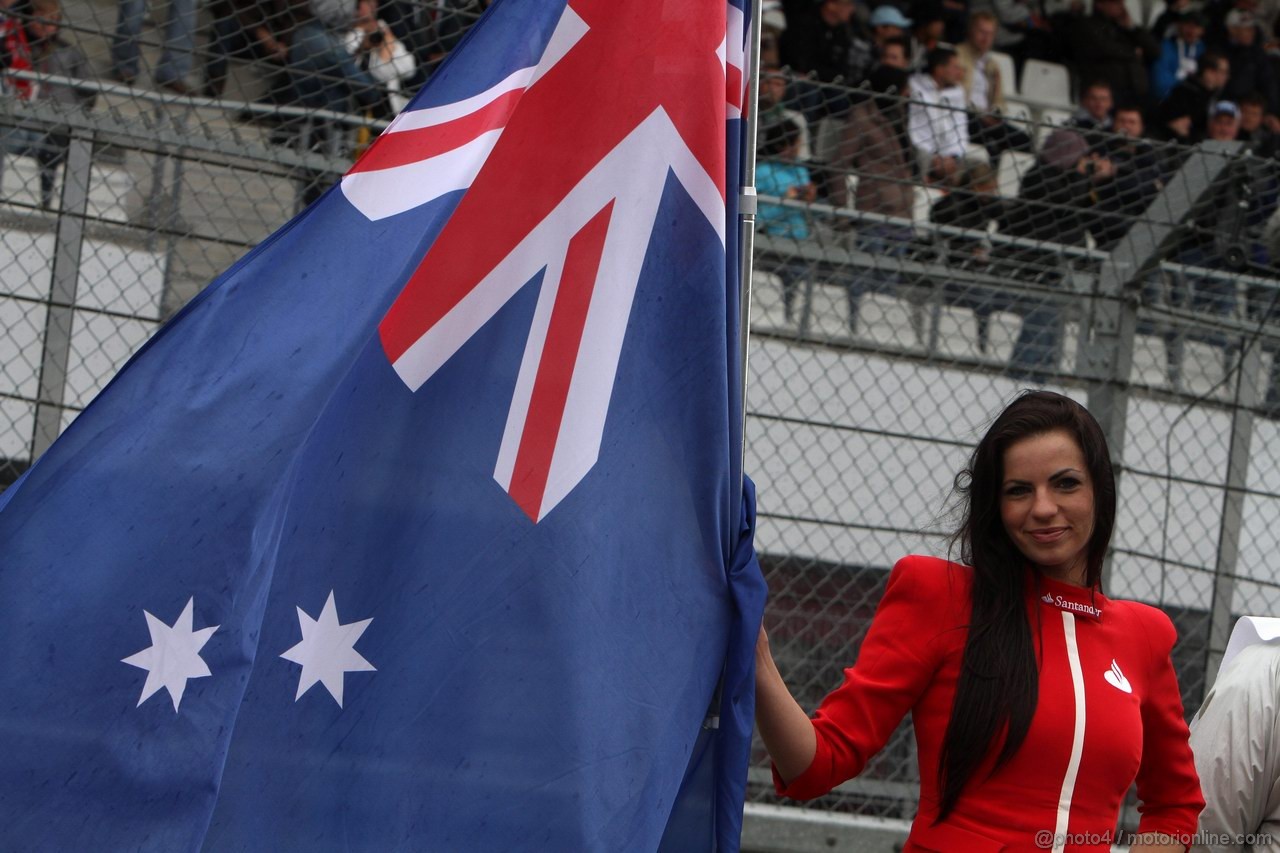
(1109, 711)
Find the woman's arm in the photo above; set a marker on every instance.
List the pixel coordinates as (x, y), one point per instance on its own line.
(896, 661)
(784, 726)
(1168, 787)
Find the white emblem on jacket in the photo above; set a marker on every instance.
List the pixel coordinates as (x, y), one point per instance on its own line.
(1116, 678)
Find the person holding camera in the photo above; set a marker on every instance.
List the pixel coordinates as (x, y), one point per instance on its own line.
(382, 55)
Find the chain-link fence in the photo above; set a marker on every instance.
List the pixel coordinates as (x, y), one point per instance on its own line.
(145, 147)
(917, 264)
(910, 278)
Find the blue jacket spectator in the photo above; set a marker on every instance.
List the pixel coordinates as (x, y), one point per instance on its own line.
(1179, 54)
(783, 177)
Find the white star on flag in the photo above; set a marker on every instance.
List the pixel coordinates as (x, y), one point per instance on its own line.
(327, 651)
(174, 655)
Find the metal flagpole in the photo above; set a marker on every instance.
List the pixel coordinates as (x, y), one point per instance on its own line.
(747, 218)
(747, 231)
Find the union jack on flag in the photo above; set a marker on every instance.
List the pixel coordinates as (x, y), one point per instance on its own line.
(420, 528)
(562, 185)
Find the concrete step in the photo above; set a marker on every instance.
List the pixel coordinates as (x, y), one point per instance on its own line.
(110, 189)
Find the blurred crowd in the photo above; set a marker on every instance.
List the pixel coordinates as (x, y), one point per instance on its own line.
(361, 57)
(346, 55)
(901, 110)
(924, 111)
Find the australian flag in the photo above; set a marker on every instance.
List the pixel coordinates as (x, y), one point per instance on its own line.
(421, 528)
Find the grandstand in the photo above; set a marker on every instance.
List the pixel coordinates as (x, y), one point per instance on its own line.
(894, 311)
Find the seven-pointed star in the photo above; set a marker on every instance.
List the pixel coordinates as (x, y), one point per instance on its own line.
(174, 655)
(327, 651)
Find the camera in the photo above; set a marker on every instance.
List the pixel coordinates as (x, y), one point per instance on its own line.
(376, 39)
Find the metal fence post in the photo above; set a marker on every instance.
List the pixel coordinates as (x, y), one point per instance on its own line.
(1224, 569)
(171, 221)
(1107, 334)
(69, 241)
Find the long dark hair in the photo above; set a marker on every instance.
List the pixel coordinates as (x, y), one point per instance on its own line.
(999, 678)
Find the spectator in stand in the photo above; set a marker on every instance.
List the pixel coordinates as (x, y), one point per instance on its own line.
(1021, 30)
(453, 18)
(326, 74)
(1055, 205)
(819, 43)
(1093, 117)
(1215, 15)
(1257, 129)
(974, 207)
(1223, 234)
(15, 53)
(888, 27)
(774, 110)
(379, 52)
(938, 123)
(873, 147)
(1139, 176)
(823, 44)
(1250, 68)
(928, 26)
(896, 54)
(984, 90)
(248, 29)
(408, 21)
(175, 57)
(780, 175)
(47, 53)
(1108, 45)
(1224, 122)
(1141, 172)
(1163, 26)
(888, 23)
(52, 55)
(1179, 54)
(956, 16)
(1183, 116)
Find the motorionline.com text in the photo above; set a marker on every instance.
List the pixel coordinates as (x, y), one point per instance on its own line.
(1046, 839)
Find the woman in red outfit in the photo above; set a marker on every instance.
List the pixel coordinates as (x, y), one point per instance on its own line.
(1036, 700)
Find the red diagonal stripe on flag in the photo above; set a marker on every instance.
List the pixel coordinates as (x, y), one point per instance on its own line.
(555, 369)
(409, 146)
(733, 85)
(633, 59)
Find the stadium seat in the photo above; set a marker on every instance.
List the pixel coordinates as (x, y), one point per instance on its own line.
(1014, 166)
(1008, 74)
(1018, 115)
(1046, 82)
(1050, 120)
(925, 198)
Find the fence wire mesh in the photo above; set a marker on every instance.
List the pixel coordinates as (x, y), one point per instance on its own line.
(917, 262)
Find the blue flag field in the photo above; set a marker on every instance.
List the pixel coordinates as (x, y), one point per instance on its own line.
(421, 528)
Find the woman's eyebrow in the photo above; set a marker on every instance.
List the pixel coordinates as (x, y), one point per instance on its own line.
(1058, 474)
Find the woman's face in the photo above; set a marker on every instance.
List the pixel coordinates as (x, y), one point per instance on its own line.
(1046, 503)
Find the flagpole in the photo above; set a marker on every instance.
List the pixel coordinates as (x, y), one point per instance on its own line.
(747, 219)
(746, 243)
